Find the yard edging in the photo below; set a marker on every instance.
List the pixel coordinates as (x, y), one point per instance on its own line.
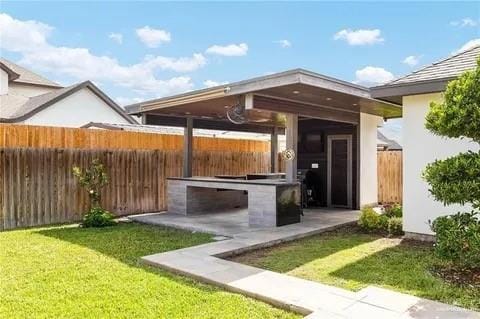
(302, 296)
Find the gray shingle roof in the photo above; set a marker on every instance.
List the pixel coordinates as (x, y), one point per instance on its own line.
(37, 101)
(13, 110)
(389, 144)
(27, 76)
(447, 68)
(156, 129)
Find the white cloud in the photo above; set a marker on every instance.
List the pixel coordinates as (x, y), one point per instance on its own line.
(360, 36)
(81, 64)
(121, 100)
(211, 83)
(229, 50)
(411, 60)
(152, 38)
(465, 22)
(176, 64)
(16, 35)
(116, 37)
(371, 75)
(284, 43)
(467, 46)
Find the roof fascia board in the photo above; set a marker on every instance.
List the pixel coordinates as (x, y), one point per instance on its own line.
(414, 88)
(264, 83)
(184, 99)
(334, 85)
(18, 81)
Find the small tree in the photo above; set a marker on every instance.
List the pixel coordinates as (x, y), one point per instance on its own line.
(457, 178)
(93, 179)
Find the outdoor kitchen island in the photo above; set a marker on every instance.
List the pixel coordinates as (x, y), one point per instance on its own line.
(271, 202)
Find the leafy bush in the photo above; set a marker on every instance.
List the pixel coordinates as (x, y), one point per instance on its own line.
(395, 226)
(455, 179)
(458, 239)
(369, 219)
(393, 210)
(458, 115)
(93, 179)
(98, 217)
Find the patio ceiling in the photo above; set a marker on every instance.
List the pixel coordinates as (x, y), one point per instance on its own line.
(266, 98)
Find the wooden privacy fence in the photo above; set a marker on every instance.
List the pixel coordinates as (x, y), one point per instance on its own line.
(37, 186)
(63, 137)
(390, 182)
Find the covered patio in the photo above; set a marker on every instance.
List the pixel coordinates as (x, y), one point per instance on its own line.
(330, 158)
(234, 222)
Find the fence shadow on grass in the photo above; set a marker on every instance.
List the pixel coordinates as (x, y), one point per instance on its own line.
(127, 242)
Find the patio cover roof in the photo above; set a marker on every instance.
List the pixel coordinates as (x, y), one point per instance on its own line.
(298, 91)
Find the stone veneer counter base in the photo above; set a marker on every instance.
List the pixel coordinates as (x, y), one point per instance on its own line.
(270, 202)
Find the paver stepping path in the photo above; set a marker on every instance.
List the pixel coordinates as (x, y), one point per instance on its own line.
(315, 300)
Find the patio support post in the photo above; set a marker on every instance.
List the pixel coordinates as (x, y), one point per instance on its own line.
(274, 150)
(188, 147)
(291, 131)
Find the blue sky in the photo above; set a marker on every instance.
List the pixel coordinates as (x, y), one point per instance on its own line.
(141, 50)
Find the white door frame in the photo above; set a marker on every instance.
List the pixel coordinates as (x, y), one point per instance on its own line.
(348, 138)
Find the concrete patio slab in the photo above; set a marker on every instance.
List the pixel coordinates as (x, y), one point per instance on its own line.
(306, 297)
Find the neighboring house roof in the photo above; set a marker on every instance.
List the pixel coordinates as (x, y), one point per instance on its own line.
(25, 76)
(13, 110)
(12, 75)
(156, 129)
(387, 144)
(429, 79)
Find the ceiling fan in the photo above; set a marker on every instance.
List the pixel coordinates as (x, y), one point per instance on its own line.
(237, 114)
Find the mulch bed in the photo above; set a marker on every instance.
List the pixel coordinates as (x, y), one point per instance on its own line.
(462, 277)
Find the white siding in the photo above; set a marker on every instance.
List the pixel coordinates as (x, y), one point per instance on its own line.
(28, 90)
(76, 110)
(420, 147)
(3, 82)
(368, 158)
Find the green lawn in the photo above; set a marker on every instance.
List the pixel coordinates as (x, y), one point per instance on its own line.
(71, 272)
(352, 260)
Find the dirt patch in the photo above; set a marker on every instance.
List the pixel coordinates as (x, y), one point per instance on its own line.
(466, 277)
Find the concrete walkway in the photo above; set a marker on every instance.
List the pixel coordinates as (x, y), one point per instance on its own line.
(315, 300)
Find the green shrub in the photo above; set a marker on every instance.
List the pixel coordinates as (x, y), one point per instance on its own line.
(395, 226)
(372, 221)
(98, 217)
(93, 179)
(458, 239)
(368, 219)
(393, 210)
(382, 222)
(390, 221)
(455, 179)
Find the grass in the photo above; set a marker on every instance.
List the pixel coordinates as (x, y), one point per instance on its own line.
(71, 272)
(352, 260)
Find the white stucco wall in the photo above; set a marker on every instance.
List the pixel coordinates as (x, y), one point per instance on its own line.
(368, 158)
(28, 90)
(76, 110)
(420, 147)
(3, 82)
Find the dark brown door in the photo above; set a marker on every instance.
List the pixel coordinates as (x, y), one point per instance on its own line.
(339, 175)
